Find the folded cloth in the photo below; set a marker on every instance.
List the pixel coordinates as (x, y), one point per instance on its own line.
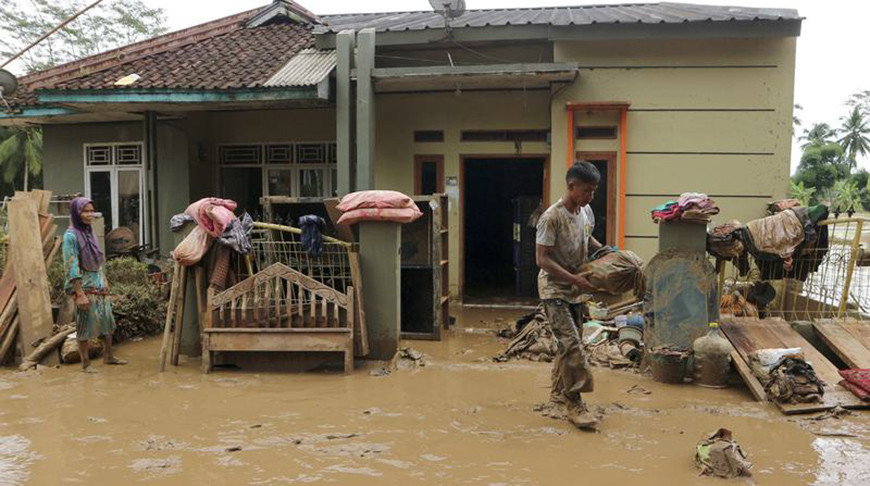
(781, 205)
(402, 215)
(213, 214)
(859, 378)
(856, 390)
(375, 199)
(237, 235)
(666, 212)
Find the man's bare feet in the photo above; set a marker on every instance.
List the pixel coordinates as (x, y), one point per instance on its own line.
(114, 361)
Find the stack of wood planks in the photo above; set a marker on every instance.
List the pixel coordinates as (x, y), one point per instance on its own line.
(25, 302)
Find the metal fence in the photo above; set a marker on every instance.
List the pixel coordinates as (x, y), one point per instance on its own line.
(820, 284)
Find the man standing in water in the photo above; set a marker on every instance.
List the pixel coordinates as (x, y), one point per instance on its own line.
(564, 241)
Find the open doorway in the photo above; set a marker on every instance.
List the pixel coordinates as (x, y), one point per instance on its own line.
(604, 202)
(499, 194)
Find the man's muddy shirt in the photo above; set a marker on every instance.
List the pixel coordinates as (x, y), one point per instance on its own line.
(569, 235)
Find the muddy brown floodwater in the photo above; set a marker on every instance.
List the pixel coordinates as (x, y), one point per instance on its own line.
(458, 420)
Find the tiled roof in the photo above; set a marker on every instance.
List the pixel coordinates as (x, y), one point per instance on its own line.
(245, 58)
(643, 13)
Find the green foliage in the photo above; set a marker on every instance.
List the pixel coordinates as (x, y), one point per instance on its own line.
(821, 166)
(138, 304)
(846, 197)
(20, 153)
(111, 24)
(860, 100)
(802, 193)
(818, 135)
(856, 135)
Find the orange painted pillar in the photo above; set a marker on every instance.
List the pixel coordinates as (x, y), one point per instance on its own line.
(623, 138)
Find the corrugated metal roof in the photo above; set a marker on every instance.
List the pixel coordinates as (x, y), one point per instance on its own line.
(642, 13)
(307, 68)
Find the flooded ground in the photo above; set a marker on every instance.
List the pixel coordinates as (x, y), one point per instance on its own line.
(459, 420)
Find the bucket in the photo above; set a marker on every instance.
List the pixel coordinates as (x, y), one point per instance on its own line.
(630, 333)
(668, 365)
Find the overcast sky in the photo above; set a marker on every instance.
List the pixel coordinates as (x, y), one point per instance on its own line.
(832, 60)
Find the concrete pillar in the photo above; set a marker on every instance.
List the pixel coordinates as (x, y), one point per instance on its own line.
(365, 110)
(381, 266)
(191, 344)
(149, 139)
(345, 44)
(682, 235)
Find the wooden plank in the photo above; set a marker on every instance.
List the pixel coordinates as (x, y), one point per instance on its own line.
(361, 338)
(9, 340)
(751, 334)
(179, 317)
(276, 341)
(749, 377)
(846, 343)
(34, 301)
(43, 199)
(170, 312)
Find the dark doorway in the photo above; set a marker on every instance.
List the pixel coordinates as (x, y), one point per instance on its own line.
(491, 188)
(602, 203)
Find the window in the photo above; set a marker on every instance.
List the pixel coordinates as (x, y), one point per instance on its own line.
(114, 180)
(428, 174)
(250, 171)
(428, 136)
(504, 135)
(591, 133)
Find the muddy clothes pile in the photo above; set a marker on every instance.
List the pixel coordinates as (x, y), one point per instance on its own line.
(532, 338)
(793, 380)
(719, 455)
(787, 244)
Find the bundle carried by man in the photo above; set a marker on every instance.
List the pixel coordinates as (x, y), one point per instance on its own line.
(615, 271)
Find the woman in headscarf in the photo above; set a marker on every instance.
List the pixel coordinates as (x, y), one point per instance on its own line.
(86, 283)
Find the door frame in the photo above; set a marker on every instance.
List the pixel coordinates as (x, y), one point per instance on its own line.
(545, 198)
(610, 231)
(419, 160)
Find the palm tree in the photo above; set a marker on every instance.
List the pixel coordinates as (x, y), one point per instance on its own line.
(20, 150)
(817, 135)
(855, 130)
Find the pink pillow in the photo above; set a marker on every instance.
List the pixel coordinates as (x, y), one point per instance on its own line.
(375, 199)
(395, 215)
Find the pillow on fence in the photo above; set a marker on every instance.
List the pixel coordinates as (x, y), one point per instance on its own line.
(213, 214)
(375, 199)
(395, 215)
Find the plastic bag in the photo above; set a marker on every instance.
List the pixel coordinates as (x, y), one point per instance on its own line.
(403, 215)
(191, 250)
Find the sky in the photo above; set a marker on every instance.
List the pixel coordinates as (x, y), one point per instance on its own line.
(831, 54)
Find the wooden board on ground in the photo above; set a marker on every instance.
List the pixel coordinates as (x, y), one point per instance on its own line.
(26, 253)
(749, 377)
(751, 334)
(361, 337)
(848, 338)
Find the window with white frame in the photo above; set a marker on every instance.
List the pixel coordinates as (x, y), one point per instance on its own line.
(114, 180)
(296, 169)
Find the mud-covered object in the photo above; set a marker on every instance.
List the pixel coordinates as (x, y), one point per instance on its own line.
(793, 380)
(533, 339)
(719, 455)
(615, 271)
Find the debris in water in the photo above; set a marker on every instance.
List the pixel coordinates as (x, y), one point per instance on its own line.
(836, 413)
(719, 455)
(234, 449)
(413, 356)
(637, 389)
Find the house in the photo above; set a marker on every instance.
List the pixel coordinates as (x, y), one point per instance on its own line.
(489, 107)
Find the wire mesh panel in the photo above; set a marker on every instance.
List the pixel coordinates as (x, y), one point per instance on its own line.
(829, 279)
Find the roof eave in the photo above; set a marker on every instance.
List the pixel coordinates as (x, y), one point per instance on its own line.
(180, 96)
(731, 29)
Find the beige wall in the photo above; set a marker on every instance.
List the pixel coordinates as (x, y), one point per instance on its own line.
(709, 116)
(398, 116)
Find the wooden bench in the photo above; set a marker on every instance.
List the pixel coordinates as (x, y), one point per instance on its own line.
(279, 309)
